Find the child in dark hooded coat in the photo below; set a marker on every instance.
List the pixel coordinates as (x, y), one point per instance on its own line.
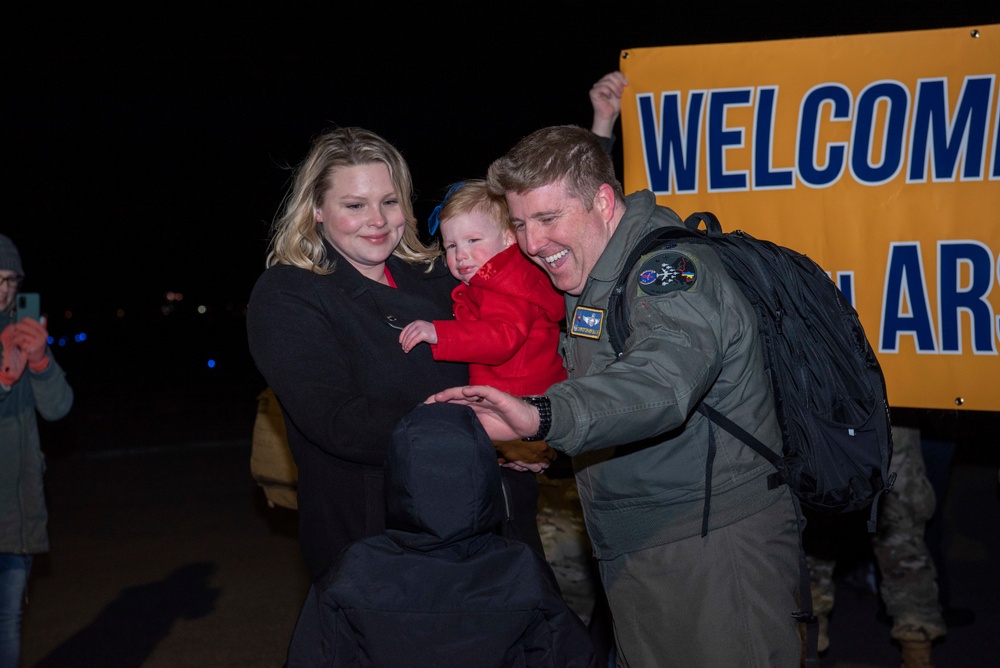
(438, 587)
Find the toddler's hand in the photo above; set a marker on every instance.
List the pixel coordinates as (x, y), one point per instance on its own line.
(418, 331)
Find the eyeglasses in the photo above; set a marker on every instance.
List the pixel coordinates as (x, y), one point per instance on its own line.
(12, 281)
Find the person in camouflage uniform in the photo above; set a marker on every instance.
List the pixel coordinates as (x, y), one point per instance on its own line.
(909, 579)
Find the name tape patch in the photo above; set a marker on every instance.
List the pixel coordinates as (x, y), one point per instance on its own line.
(587, 322)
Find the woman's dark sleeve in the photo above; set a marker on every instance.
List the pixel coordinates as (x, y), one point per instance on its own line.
(297, 351)
(344, 384)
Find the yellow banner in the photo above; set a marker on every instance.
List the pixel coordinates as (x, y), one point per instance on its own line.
(876, 155)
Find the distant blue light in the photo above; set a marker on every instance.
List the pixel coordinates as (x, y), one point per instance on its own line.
(62, 341)
(81, 337)
(211, 364)
(50, 340)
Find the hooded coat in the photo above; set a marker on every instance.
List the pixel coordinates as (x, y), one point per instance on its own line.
(23, 515)
(438, 587)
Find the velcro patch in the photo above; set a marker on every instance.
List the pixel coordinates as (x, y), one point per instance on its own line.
(587, 322)
(665, 272)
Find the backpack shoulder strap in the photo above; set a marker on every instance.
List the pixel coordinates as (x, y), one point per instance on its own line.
(775, 479)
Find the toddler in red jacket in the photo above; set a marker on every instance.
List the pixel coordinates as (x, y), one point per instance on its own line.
(507, 318)
(507, 313)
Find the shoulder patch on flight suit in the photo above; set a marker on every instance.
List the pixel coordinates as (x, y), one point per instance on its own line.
(665, 272)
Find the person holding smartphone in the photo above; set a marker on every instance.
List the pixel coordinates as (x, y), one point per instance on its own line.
(30, 382)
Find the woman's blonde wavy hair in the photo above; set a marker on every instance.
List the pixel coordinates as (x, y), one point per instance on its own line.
(297, 238)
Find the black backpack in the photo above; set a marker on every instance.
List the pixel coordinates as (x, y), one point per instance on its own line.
(829, 390)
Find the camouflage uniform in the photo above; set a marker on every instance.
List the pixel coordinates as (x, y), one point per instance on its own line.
(909, 579)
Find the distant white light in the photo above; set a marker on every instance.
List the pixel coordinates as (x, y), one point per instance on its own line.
(202, 309)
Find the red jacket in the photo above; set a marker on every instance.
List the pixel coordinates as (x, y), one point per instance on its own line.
(506, 326)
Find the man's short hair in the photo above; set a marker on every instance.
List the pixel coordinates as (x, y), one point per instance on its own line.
(566, 153)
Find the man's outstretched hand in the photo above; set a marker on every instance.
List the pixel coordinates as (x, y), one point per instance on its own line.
(507, 419)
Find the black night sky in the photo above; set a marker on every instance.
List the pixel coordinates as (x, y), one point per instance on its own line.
(146, 147)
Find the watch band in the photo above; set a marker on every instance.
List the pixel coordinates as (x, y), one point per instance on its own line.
(544, 406)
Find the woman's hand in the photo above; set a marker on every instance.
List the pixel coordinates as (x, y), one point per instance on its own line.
(535, 456)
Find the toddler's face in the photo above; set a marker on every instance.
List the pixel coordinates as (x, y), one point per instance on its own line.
(470, 240)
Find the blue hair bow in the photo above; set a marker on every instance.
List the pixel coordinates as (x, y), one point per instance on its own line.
(434, 221)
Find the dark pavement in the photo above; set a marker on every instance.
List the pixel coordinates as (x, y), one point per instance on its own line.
(164, 553)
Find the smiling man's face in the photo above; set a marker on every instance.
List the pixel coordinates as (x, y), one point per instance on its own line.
(557, 232)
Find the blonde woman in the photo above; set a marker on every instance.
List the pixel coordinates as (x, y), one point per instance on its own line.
(346, 270)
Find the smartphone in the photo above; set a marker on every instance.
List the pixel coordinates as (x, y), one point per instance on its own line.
(29, 305)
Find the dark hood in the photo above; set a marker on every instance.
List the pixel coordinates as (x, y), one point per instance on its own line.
(442, 481)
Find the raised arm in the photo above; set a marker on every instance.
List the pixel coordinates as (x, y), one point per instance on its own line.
(606, 99)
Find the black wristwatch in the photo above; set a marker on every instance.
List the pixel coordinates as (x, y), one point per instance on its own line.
(544, 406)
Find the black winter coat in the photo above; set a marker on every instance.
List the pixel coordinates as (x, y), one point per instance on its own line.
(328, 345)
(438, 587)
